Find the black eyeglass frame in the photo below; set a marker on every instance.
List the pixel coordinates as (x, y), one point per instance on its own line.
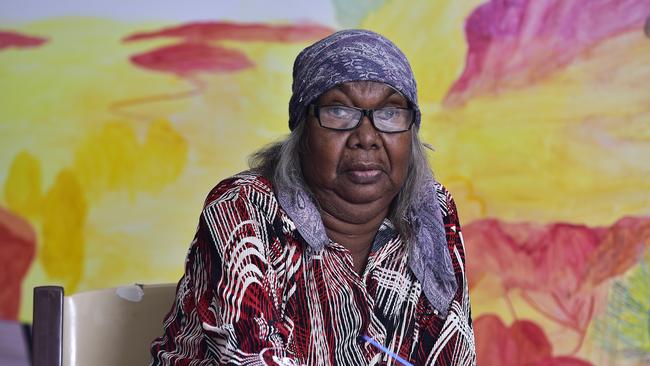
(315, 110)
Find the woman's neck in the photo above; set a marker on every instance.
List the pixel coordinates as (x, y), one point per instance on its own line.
(354, 229)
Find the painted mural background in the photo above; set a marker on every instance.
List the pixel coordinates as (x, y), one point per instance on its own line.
(115, 122)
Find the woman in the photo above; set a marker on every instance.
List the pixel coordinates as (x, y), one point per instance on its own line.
(338, 247)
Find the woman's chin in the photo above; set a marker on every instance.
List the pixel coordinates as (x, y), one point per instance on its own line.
(366, 193)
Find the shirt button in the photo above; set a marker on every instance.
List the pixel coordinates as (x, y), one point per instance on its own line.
(360, 340)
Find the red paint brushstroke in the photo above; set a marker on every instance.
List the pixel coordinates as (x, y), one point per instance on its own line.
(217, 31)
(18, 250)
(557, 266)
(187, 58)
(523, 343)
(196, 53)
(121, 108)
(512, 44)
(12, 39)
(620, 249)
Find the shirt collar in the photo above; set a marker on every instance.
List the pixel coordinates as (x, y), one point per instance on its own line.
(429, 258)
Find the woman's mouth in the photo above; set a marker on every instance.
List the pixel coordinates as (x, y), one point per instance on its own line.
(364, 174)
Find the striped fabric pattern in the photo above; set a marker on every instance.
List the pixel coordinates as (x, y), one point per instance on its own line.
(254, 294)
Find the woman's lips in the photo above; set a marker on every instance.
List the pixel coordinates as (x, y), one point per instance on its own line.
(364, 174)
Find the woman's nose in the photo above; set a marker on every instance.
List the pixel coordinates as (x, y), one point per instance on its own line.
(365, 136)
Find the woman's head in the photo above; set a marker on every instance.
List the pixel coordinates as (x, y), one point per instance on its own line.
(349, 55)
(365, 150)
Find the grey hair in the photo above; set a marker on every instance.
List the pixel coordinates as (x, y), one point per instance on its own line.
(280, 163)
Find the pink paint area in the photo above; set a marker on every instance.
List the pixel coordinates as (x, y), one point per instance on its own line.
(512, 44)
(10, 39)
(187, 58)
(523, 343)
(217, 31)
(18, 251)
(558, 267)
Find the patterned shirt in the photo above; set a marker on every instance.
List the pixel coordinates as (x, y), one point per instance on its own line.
(253, 293)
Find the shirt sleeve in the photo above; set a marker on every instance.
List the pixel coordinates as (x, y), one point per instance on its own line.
(226, 309)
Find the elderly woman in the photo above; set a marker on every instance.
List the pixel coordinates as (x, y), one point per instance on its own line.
(338, 247)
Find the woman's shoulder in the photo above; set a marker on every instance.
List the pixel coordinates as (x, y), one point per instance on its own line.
(446, 203)
(246, 186)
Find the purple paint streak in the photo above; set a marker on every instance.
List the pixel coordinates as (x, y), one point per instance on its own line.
(513, 43)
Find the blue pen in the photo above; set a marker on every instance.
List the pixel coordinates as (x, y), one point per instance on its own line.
(387, 351)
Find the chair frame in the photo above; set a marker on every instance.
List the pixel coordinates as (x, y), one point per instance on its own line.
(47, 326)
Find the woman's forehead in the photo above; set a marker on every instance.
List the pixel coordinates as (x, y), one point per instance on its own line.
(363, 87)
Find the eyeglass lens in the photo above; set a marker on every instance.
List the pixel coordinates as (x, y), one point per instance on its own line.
(390, 119)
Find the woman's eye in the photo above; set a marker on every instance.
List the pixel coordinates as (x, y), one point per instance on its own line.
(339, 112)
(387, 114)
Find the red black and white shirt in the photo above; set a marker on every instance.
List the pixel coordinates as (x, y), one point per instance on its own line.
(255, 292)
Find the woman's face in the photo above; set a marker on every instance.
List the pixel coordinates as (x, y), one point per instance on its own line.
(363, 165)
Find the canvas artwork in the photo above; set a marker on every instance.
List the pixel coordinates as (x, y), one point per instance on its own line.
(115, 123)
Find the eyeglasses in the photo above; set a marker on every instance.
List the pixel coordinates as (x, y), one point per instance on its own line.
(343, 118)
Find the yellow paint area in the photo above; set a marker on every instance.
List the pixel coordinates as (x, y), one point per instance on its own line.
(63, 214)
(22, 187)
(115, 159)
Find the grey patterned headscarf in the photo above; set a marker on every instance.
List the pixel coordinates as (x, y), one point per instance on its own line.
(349, 55)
